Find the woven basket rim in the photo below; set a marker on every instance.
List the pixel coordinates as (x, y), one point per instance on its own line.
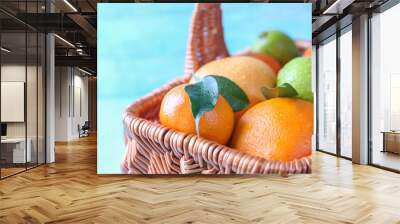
(131, 115)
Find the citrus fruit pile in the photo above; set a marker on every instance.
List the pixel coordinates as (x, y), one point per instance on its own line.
(260, 103)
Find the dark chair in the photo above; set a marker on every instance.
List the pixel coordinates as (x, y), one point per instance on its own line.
(84, 130)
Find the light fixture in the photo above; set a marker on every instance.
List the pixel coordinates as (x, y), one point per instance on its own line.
(65, 41)
(337, 7)
(70, 5)
(79, 51)
(5, 50)
(84, 71)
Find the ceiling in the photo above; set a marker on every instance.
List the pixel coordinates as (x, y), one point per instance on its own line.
(328, 15)
(75, 23)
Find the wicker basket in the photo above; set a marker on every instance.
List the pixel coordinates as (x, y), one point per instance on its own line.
(154, 149)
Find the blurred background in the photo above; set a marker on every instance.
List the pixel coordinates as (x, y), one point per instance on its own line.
(142, 46)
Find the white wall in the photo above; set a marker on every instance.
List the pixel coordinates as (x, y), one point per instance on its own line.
(81, 89)
(9, 73)
(62, 82)
(15, 72)
(71, 94)
(33, 127)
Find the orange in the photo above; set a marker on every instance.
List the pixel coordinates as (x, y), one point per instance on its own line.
(276, 129)
(308, 52)
(176, 113)
(272, 62)
(248, 73)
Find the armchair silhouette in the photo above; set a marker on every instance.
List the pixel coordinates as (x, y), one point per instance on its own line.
(84, 129)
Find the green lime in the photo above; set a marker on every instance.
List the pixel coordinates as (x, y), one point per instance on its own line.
(276, 44)
(297, 73)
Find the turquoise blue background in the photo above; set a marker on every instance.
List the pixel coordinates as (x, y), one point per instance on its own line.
(142, 46)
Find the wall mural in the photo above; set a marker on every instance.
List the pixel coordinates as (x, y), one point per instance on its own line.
(243, 103)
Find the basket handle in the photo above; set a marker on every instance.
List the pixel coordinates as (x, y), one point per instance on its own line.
(206, 37)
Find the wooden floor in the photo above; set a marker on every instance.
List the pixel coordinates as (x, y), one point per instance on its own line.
(70, 191)
(10, 171)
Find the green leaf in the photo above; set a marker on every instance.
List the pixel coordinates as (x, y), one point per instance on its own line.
(284, 90)
(204, 94)
(203, 98)
(235, 96)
